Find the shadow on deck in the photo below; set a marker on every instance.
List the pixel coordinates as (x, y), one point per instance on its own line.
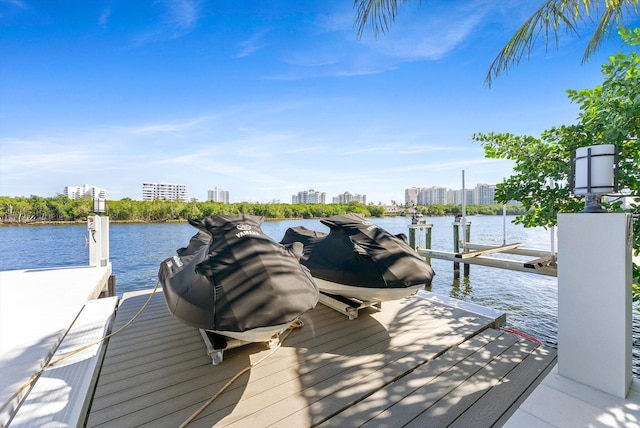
(415, 363)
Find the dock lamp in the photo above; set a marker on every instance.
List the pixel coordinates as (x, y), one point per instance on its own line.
(594, 173)
(99, 205)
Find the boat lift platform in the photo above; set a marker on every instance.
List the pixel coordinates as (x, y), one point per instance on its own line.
(216, 344)
(349, 306)
(544, 263)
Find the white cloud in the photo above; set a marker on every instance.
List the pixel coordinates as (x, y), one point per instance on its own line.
(103, 18)
(252, 44)
(179, 18)
(171, 127)
(17, 3)
(423, 32)
(182, 14)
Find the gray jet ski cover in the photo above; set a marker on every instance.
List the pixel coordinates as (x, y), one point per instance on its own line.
(233, 277)
(356, 252)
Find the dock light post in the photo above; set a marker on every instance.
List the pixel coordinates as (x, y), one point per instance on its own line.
(99, 205)
(594, 173)
(594, 280)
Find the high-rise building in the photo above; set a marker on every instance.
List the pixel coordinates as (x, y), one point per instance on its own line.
(484, 194)
(347, 197)
(309, 197)
(218, 194)
(78, 192)
(455, 197)
(432, 195)
(166, 191)
(411, 196)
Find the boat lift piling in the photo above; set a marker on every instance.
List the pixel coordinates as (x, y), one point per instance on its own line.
(458, 241)
(415, 236)
(461, 237)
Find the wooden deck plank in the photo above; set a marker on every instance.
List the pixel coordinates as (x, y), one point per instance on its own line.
(496, 406)
(324, 403)
(179, 342)
(270, 397)
(328, 371)
(529, 252)
(384, 398)
(432, 389)
(458, 401)
(111, 392)
(347, 378)
(498, 249)
(427, 389)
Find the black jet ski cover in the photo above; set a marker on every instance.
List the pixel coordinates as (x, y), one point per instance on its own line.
(232, 277)
(356, 252)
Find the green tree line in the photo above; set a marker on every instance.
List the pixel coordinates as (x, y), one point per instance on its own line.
(36, 209)
(437, 210)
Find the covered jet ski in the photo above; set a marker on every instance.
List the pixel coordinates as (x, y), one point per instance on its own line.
(235, 281)
(360, 260)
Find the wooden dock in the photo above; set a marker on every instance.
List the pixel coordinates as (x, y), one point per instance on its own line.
(415, 363)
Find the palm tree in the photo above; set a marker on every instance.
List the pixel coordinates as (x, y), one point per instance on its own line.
(551, 17)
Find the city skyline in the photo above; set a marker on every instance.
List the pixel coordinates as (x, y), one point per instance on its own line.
(266, 99)
(171, 191)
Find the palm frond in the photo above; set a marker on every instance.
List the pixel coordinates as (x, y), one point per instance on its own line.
(380, 14)
(612, 16)
(550, 18)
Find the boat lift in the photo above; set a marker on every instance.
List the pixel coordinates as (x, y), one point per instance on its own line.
(467, 253)
(543, 263)
(349, 306)
(217, 344)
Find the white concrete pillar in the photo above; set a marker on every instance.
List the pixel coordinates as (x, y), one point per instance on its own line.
(98, 227)
(104, 244)
(594, 300)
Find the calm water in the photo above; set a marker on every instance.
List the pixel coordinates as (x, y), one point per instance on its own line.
(136, 251)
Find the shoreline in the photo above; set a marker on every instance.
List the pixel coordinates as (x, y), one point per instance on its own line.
(78, 222)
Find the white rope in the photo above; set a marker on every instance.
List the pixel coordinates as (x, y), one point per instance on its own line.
(57, 360)
(295, 324)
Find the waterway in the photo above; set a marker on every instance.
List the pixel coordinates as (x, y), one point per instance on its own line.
(136, 251)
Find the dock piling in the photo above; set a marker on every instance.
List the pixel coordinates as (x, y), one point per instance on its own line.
(457, 243)
(415, 240)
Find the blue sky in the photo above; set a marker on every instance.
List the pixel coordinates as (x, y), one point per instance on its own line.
(268, 98)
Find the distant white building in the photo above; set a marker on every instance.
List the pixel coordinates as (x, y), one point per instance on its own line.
(346, 197)
(432, 195)
(79, 192)
(482, 194)
(411, 196)
(309, 197)
(218, 194)
(166, 191)
(455, 197)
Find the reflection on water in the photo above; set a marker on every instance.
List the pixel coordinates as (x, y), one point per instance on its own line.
(136, 251)
(461, 291)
